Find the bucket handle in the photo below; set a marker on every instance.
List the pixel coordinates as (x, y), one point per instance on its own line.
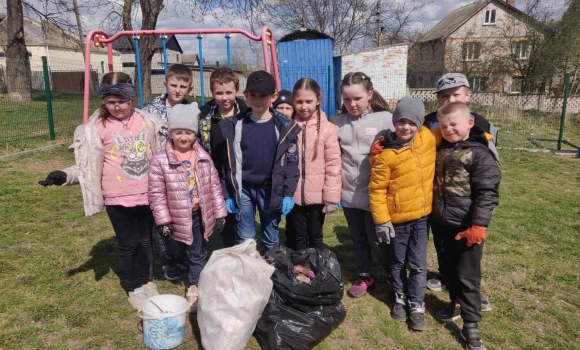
(143, 316)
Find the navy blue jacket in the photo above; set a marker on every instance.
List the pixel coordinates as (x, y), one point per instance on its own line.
(285, 174)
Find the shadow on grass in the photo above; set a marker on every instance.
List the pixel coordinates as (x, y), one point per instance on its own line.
(103, 259)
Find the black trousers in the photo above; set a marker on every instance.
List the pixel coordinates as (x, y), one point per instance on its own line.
(409, 248)
(364, 239)
(462, 268)
(304, 227)
(133, 232)
(229, 232)
(438, 243)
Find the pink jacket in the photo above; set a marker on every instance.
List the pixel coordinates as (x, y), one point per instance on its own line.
(169, 192)
(320, 180)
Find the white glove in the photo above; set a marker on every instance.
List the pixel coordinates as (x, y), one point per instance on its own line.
(329, 208)
(385, 232)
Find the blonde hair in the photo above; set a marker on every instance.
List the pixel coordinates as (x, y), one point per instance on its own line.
(453, 107)
(377, 102)
(311, 85)
(108, 80)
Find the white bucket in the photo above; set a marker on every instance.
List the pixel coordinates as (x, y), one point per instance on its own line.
(163, 330)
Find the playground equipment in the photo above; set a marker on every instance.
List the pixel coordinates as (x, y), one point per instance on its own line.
(99, 38)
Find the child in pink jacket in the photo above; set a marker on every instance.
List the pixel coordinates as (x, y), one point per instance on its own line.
(320, 165)
(185, 193)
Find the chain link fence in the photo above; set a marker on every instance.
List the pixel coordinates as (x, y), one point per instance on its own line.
(525, 120)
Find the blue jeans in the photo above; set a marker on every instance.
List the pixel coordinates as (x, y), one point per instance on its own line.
(253, 196)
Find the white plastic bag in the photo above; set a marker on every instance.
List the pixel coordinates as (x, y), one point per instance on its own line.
(234, 288)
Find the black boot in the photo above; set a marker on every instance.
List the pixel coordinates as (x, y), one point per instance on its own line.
(472, 337)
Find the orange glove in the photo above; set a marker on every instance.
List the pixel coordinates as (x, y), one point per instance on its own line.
(474, 235)
(377, 148)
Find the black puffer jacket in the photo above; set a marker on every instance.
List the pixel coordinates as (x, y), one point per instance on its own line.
(466, 185)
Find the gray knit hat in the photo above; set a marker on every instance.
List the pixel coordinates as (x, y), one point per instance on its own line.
(412, 109)
(183, 117)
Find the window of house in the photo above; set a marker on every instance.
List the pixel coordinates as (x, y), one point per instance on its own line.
(29, 54)
(2, 54)
(471, 51)
(478, 83)
(433, 53)
(177, 57)
(489, 17)
(420, 82)
(522, 49)
(128, 64)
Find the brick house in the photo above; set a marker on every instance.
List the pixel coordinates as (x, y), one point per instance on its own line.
(489, 41)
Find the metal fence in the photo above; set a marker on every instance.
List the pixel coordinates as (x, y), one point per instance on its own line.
(55, 105)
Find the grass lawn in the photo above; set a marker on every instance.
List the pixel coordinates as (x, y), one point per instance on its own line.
(60, 287)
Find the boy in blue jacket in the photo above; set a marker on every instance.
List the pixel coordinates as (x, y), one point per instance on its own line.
(261, 165)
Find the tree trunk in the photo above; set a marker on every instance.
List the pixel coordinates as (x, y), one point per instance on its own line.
(79, 27)
(150, 10)
(17, 64)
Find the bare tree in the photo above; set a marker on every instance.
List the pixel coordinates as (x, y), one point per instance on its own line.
(346, 21)
(17, 64)
(397, 21)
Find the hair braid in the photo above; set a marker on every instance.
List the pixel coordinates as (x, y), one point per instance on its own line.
(317, 133)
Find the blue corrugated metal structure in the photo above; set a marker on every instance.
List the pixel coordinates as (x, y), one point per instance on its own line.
(308, 54)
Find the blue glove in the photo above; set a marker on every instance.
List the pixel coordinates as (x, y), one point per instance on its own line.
(287, 205)
(339, 205)
(231, 206)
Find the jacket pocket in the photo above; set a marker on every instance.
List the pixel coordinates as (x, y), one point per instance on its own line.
(397, 203)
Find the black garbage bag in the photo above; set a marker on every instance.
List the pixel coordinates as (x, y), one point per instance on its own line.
(301, 315)
(325, 289)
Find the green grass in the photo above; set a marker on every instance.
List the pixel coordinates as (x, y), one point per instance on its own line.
(60, 287)
(24, 125)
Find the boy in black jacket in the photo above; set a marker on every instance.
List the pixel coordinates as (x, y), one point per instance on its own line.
(454, 87)
(465, 192)
(224, 85)
(260, 168)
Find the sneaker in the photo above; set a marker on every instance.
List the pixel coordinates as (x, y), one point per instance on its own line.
(171, 273)
(192, 296)
(150, 289)
(359, 288)
(449, 313)
(485, 305)
(137, 298)
(417, 316)
(472, 337)
(435, 285)
(399, 311)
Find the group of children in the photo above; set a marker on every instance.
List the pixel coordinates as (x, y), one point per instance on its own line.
(183, 172)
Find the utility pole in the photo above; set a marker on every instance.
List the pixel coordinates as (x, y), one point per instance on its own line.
(378, 14)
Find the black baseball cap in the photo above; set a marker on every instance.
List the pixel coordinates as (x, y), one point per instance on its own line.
(284, 96)
(262, 82)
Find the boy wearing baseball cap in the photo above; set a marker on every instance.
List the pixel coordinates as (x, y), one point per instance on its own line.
(261, 166)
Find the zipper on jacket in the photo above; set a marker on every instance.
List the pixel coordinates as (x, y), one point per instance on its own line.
(303, 163)
(420, 176)
(231, 173)
(443, 188)
(356, 152)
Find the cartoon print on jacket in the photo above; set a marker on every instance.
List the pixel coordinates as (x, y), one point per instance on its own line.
(134, 152)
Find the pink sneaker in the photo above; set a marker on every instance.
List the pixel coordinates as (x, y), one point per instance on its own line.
(359, 288)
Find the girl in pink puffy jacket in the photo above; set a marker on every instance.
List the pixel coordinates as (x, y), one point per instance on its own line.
(185, 193)
(319, 186)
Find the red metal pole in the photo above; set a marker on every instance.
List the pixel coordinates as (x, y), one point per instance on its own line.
(265, 49)
(110, 56)
(275, 61)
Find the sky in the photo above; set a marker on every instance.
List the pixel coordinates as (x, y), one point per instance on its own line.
(214, 46)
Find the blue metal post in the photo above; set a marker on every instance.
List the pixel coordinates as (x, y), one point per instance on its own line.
(138, 61)
(164, 43)
(199, 38)
(229, 55)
